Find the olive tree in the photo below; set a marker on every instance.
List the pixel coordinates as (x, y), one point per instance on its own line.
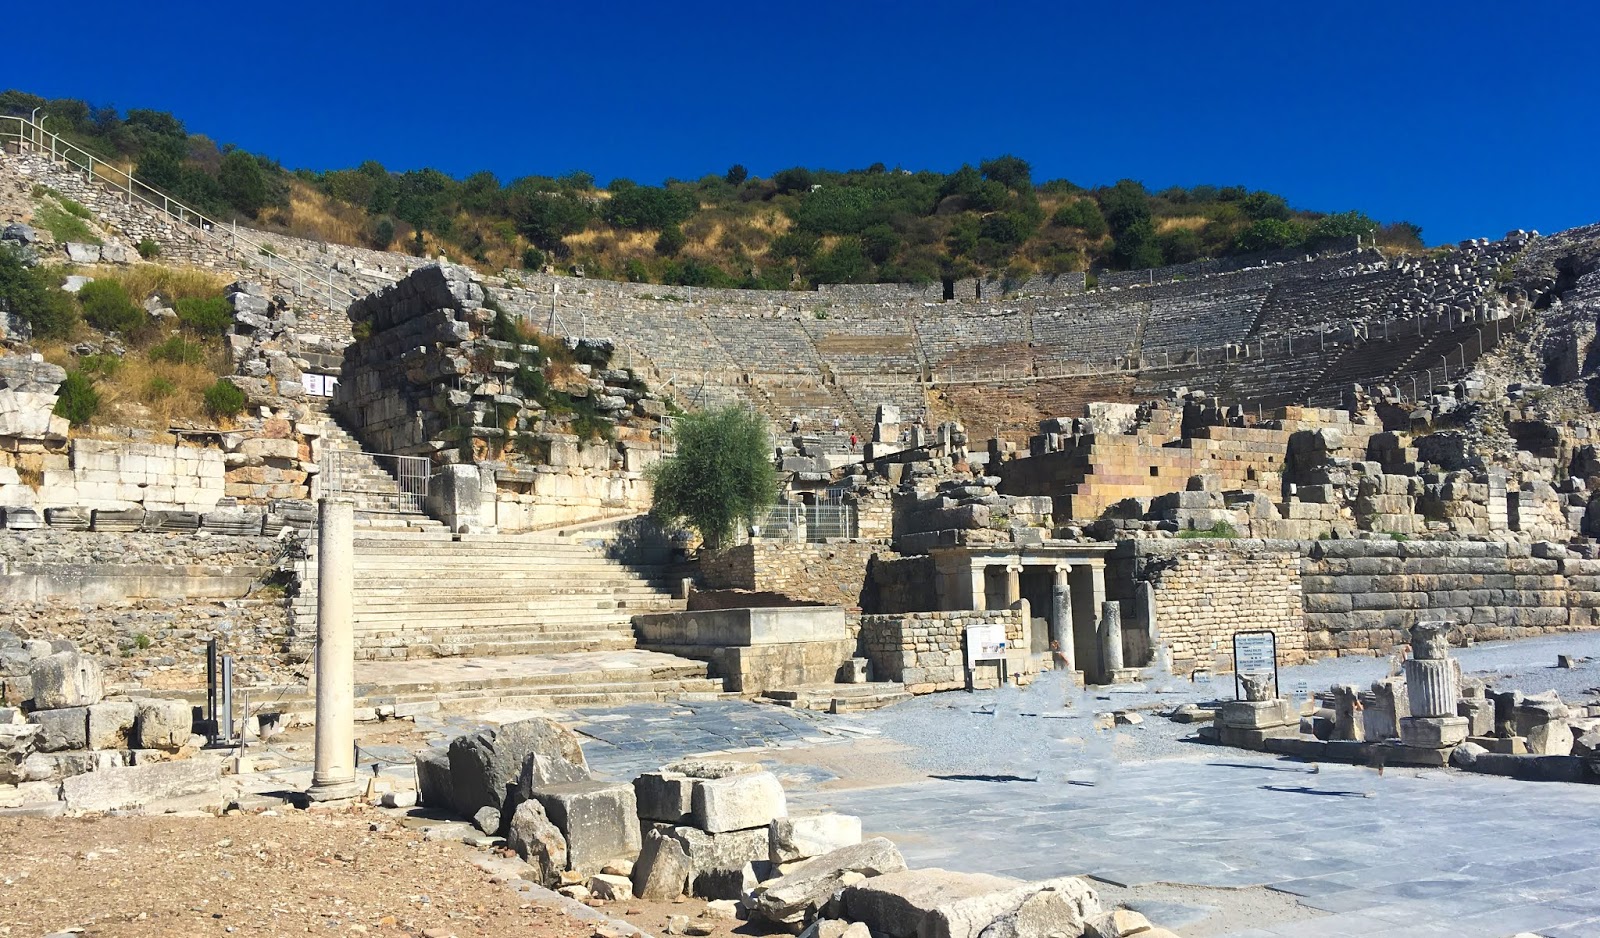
(720, 477)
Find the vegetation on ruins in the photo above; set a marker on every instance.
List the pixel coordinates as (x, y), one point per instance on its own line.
(34, 295)
(720, 476)
(796, 228)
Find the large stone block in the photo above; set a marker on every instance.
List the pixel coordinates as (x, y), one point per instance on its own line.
(663, 870)
(664, 796)
(1433, 732)
(530, 753)
(934, 903)
(433, 779)
(800, 838)
(164, 724)
(1257, 714)
(598, 819)
(16, 745)
(138, 785)
(67, 728)
(738, 802)
(65, 679)
(718, 860)
(531, 834)
(795, 898)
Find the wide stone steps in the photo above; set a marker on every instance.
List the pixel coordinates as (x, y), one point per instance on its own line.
(441, 648)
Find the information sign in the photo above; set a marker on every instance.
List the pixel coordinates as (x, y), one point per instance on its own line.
(1255, 654)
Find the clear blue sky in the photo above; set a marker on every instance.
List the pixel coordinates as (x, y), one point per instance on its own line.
(1468, 118)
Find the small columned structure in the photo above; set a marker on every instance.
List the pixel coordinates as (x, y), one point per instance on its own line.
(1063, 583)
(333, 775)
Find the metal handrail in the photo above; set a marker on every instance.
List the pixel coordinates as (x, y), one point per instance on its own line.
(43, 142)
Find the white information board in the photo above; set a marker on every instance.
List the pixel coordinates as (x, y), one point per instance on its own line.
(1256, 654)
(985, 642)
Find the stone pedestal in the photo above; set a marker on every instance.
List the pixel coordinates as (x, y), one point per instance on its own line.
(1248, 724)
(1479, 713)
(1432, 687)
(334, 773)
(1348, 723)
(1433, 732)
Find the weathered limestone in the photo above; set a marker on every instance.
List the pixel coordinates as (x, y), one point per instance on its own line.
(598, 819)
(538, 842)
(738, 802)
(664, 796)
(663, 870)
(65, 679)
(334, 774)
(797, 896)
(111, 724)
(164, 724)
(525, 754)
(1348, 723)
(64, 729)
(934, 903)
(1432, 686)
(800, 838)
(1110, 634)
(121, 787)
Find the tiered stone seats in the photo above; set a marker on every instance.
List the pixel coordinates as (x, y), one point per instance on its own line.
(1303, 304)
(858, 345)
(1179, 324)
(1276, 380)
(972, 340)
(1100, 328)
(759, 345)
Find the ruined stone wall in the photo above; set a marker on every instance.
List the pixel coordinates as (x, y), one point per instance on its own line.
(1361, 594)
(1206, 590)
(926, 650)
(833, 573)
(901, 584)
(147, 603)
(1208, 267)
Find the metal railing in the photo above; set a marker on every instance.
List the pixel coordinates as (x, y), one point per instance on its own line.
(378, 481)
(249, 249)
(808, 523)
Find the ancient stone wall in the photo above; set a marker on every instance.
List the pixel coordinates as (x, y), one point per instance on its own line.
(833, 573)
(901, 584)
(926, 650)
(1206, 590)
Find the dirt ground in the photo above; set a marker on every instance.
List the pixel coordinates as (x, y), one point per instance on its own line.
(293, 873)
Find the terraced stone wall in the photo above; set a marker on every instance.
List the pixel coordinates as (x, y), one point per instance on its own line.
(834, 573)
(926, 651)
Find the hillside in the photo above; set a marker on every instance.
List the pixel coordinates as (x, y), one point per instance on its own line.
(796, 228)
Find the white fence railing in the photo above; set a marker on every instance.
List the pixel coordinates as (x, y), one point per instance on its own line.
(378, 481)
(808, 523)
(249, 249)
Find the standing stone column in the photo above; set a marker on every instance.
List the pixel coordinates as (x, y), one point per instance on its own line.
(1013, 584)
(980, 587)
(334, 773)
(1431, 687)
(1111, 638)
(1061, 606)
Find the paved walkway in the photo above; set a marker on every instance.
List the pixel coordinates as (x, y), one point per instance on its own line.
(1409, 853)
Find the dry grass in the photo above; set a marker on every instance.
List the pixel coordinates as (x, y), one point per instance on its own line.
(172, 283)
(158, 394)
(316, 217)
(1192, 222)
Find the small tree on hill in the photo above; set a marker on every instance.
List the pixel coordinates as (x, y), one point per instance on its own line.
(720, 477)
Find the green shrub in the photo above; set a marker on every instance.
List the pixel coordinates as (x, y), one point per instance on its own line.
(224, 399)
(671, 240)
(209, 316)
(34, 294)
(74, 208)
(64, 226)
(77, 399)
(159, 389)
(100, 364)
(178, 351)
(148, 249)
(1220, 529)
(532, 258)
(721, 475)
(107, 307)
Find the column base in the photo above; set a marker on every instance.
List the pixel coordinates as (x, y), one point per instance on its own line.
(334, 791)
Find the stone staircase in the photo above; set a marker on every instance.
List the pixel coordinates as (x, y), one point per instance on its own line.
(378, 498)
(482, 621)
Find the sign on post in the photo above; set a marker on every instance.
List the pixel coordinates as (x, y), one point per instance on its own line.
(1255, 654)
(987, 642)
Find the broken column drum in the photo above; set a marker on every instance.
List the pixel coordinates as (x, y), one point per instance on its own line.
(1432, 682)
(1111, 638)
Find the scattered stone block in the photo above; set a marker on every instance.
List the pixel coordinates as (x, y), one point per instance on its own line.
(1479, 713)
(598, 819)
(610, 888)
(796, 897)
(935, 903)
(737, 802)
(16, 746)
(487, 820)
(664, 868)
(664, 796)
(800, 838)
(400, 799)
(164, 724)
(433, 779)
(111, 724)
(531, 752)
(538, 842)
(140, 785)
(63, 729)
(65, 679)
